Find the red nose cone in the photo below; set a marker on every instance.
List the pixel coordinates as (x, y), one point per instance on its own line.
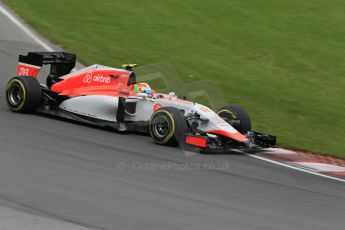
(235, 136)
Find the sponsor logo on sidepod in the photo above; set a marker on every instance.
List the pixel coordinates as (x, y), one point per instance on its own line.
(97, 78)
(88, 77)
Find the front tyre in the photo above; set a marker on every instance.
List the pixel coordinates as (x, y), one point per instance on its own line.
(23, 94)
(237, 117)
(168, 126)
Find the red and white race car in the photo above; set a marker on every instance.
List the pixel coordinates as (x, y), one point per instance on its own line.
(111, 97)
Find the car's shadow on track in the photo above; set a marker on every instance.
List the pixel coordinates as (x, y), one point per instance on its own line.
(183, 148)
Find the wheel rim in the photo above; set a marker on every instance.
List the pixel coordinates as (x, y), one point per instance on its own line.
(15, 95)
(228, 116)
(161, 126)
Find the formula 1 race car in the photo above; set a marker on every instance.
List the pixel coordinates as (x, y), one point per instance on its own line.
(111, 97)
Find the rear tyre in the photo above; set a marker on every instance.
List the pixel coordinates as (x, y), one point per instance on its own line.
(168, 126)
(237, 117)
(23, 94)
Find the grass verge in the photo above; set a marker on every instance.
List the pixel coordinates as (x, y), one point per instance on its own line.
(284, 61)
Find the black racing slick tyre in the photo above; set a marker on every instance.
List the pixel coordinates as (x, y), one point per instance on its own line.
(23, 94)
(168, 126)
(237, 117)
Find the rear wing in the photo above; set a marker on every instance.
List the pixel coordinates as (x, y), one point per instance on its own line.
(61, 63)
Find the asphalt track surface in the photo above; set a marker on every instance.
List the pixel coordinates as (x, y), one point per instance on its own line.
(65, 175)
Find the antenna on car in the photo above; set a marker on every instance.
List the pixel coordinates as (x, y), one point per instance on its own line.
(129, 66)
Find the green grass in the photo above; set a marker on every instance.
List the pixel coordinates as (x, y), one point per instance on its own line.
(284, 61)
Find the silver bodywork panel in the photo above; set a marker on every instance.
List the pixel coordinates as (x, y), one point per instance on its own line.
(93, 106)
(105, 108)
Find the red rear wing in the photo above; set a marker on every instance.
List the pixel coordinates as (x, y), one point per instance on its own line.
(61, 63)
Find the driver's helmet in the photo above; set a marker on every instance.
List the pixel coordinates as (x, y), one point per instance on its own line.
(142, 88)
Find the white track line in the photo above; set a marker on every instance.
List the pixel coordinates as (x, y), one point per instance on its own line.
(294, 167)
(39, 41)
(322, 167)
(25, 29)
(279, 151)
